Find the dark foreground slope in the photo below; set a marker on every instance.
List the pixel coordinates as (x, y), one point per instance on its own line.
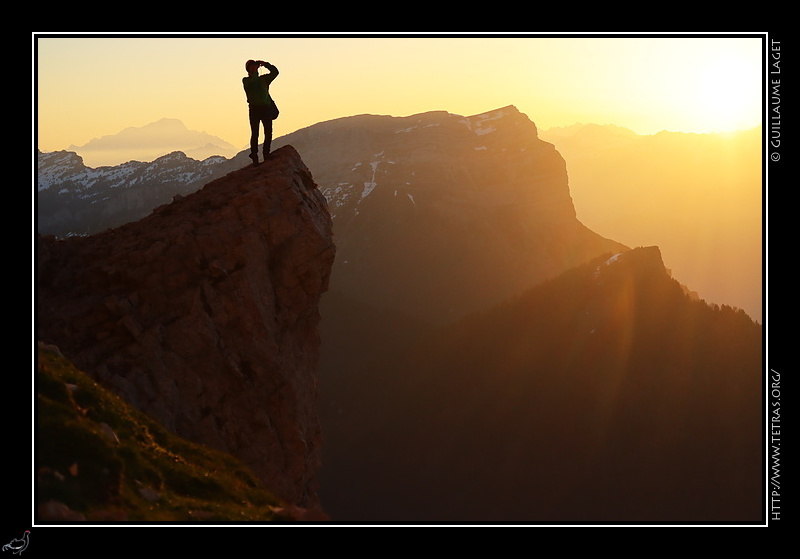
(606, 394)
(105, 461)
(205, 316)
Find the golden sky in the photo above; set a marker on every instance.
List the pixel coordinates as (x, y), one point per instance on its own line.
(87, 87)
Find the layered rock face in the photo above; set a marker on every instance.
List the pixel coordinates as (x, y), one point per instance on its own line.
(205, 315)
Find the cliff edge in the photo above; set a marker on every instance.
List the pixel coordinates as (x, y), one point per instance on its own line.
(205, 315)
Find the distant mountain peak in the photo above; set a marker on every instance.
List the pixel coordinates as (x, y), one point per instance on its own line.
(166, 121)
(146, 143)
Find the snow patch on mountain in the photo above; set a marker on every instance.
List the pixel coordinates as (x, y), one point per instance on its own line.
(482, 124)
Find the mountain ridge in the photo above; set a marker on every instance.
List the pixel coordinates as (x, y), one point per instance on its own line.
(74, 199)
(596, 396)
(437, 212)
(697, 196)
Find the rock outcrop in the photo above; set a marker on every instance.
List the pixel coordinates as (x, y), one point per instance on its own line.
(205, 315)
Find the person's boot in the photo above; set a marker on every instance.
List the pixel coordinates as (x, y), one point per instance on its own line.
(254, 157)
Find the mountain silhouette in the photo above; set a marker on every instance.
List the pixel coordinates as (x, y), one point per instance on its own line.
(148, 142)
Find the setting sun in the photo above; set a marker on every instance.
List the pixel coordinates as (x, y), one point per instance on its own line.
(722, 93)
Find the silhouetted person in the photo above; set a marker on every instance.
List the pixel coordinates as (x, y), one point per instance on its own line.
(262, 108)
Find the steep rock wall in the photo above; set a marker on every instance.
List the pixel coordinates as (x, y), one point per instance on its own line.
(205, 315)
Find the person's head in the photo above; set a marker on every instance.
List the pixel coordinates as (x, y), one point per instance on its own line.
(251, 66)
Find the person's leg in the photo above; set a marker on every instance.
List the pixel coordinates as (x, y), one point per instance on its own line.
(267, 137)
(254, 125)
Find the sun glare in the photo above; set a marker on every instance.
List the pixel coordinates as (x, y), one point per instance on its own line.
(724, 93)
(726, 99)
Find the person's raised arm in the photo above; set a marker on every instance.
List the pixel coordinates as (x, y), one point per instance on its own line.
(273, 71)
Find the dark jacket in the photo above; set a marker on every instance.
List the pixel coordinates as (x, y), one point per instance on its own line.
(257, 87)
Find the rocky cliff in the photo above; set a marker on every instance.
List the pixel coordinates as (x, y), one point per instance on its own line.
(205, 315)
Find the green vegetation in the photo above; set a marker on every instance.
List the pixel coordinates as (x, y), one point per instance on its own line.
(105, 460)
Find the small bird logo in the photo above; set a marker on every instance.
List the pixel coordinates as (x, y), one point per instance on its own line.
(17, 545)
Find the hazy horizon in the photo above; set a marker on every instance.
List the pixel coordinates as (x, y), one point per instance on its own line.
(92, 158)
